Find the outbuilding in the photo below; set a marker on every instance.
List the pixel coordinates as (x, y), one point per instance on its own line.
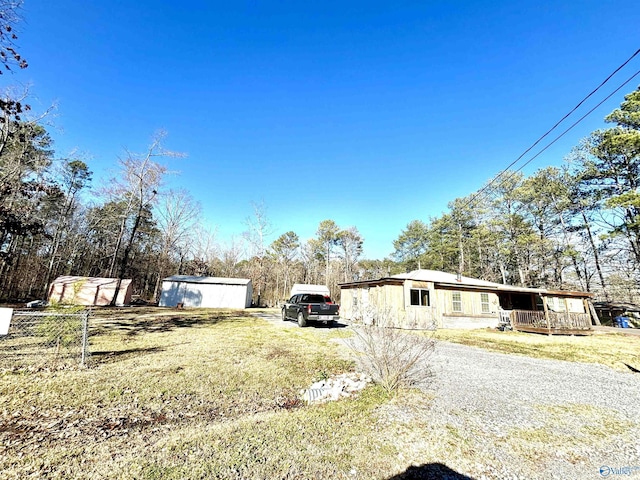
(206, 292)
(89, 291)
(429, 299)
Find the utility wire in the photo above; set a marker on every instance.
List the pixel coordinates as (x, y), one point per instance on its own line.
(574, 124)
(505, 170)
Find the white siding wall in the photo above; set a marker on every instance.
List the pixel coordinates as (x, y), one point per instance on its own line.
(206, 295)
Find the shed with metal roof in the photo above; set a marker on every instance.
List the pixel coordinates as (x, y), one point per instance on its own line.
(206, 292)
(75, 290)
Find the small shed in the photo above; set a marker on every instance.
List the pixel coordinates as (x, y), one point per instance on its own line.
(88, 291)
(206, 292)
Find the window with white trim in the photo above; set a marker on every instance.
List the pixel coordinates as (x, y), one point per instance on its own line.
(556, 304)
(419, 297)
(484, 302)
(456, 302)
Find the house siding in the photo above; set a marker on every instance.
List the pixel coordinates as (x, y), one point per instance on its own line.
(388, 300)
(391, 305)
(471, 315)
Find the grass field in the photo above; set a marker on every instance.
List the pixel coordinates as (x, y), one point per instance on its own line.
(215, 394)
(196, 394)
(613, 350)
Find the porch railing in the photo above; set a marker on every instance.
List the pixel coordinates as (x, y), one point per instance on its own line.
(558, 321)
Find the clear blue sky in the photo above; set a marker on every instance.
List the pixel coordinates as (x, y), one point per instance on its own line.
(368, 113)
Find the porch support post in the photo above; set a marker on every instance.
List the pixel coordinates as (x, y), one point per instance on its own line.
(546, 313)
(591, 312)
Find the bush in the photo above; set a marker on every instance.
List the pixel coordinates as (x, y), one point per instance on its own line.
(394, 358)
(63, 328)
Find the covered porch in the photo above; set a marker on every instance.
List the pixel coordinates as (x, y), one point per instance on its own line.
(551, 313)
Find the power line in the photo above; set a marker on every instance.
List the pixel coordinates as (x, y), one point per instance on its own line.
(576, 123)
(505, 170)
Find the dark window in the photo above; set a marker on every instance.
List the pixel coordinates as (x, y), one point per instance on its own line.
(420, 297)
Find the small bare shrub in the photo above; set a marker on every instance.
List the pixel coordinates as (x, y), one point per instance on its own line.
(394, 358)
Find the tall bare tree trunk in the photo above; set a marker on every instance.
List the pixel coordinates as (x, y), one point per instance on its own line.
(596, 257)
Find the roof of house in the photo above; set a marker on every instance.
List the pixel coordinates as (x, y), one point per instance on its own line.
(207, 280)
(443, 277)
(452, 280)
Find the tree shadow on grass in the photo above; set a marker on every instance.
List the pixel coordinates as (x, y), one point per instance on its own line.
(113, 355)
(130, 324)
(430, 471)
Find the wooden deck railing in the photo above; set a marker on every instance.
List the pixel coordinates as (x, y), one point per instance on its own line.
(559, 322)
(526, 318)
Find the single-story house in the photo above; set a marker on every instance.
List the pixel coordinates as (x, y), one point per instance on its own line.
(429, 299)
(207, 292)
(97, 291)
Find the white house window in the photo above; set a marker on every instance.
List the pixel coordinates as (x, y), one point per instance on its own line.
(456, 302)
(420, 297)
(556, 304)
(484, 301)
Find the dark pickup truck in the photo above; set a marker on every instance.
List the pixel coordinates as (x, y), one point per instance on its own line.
(310, 307)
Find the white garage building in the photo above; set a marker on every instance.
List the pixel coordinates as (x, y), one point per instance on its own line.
(206, 292)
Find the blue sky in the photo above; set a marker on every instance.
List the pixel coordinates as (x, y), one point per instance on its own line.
(371, 113)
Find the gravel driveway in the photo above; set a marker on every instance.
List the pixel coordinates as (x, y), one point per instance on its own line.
(521, 417)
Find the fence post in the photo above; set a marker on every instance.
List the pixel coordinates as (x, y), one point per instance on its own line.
(85, 336)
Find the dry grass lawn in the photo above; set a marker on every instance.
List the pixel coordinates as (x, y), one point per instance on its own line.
(613, 350)
(214, 394)
(191, 394)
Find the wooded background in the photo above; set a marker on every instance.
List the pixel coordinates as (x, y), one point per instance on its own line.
(575, 227)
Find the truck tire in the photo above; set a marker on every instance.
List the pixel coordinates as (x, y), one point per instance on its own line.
(301, 320)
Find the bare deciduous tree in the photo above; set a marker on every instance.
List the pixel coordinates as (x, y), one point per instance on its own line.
(138, 185)
(9, 17)
(177, 218)
(259, 229)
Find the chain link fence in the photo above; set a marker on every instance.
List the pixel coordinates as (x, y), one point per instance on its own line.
(44, 339)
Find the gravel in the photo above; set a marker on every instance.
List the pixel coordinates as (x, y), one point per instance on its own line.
(522, 417)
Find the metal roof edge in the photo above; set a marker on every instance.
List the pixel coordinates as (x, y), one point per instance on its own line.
(379, 281)
(207, 280)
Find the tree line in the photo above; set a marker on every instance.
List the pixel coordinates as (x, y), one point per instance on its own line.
(570, 227)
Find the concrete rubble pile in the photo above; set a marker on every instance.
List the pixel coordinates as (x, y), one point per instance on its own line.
(334, 388)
